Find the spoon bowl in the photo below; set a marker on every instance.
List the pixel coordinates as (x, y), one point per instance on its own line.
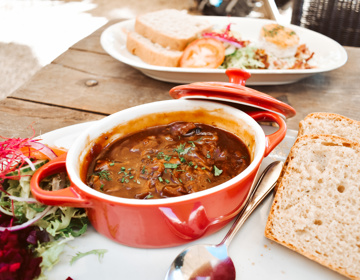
(200, 262)
(212, 262)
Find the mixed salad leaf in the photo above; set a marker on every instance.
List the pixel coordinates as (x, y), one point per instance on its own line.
(235, 52)
(32, 235)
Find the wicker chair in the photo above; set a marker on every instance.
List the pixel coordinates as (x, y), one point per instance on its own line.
(337, 19)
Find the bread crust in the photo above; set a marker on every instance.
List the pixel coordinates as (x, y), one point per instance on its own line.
(308, 124)
(281, 185)
(151, 53)
(181, 28)
(162, 39)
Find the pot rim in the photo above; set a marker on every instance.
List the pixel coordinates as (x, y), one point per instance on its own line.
(103, 126)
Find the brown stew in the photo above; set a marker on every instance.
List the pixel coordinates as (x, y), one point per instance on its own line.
(168, 161)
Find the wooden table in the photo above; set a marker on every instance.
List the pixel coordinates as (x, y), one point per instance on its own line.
(63, 93)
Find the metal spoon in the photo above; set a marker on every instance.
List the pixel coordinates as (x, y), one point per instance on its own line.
(211, 262)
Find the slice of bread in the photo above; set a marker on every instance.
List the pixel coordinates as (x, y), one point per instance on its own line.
(328, 123)
(151, 53)
(316, 210)
(170, 28)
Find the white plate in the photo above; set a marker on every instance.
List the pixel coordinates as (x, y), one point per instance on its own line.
(254, 256)
(329, 55)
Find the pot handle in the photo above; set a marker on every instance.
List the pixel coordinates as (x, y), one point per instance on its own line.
(64, 197)
(272, 140)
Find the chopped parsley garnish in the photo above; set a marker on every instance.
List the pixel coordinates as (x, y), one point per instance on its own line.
(148, 196)
(181, 150)
(192, 143)
(208, 154)
(160, 155)
(171, 165)
(217, 171)
(103, 174)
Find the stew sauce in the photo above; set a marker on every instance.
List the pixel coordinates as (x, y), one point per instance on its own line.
(168, 161)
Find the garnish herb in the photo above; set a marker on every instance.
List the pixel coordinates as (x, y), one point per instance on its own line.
(148, 196)
(103, 174)
(160, 155)
(181, 150)
(192, 143)
(171, 165)
(217, 171)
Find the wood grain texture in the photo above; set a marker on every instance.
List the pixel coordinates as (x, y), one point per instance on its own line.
(19, 118)
(63, 84)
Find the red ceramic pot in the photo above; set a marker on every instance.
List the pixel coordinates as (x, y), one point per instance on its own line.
(166, 222)
(169, 221)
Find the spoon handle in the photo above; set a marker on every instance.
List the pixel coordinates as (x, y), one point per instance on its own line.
(263, 187)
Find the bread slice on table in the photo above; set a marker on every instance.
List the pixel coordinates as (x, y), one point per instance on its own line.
(150, 53)
(316, 209)
(329, 123)
(170, 28)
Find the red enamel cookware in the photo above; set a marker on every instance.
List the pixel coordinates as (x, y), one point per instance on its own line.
(156, 223)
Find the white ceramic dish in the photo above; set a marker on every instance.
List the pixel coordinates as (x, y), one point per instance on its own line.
(254, 256)
(329, 55)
